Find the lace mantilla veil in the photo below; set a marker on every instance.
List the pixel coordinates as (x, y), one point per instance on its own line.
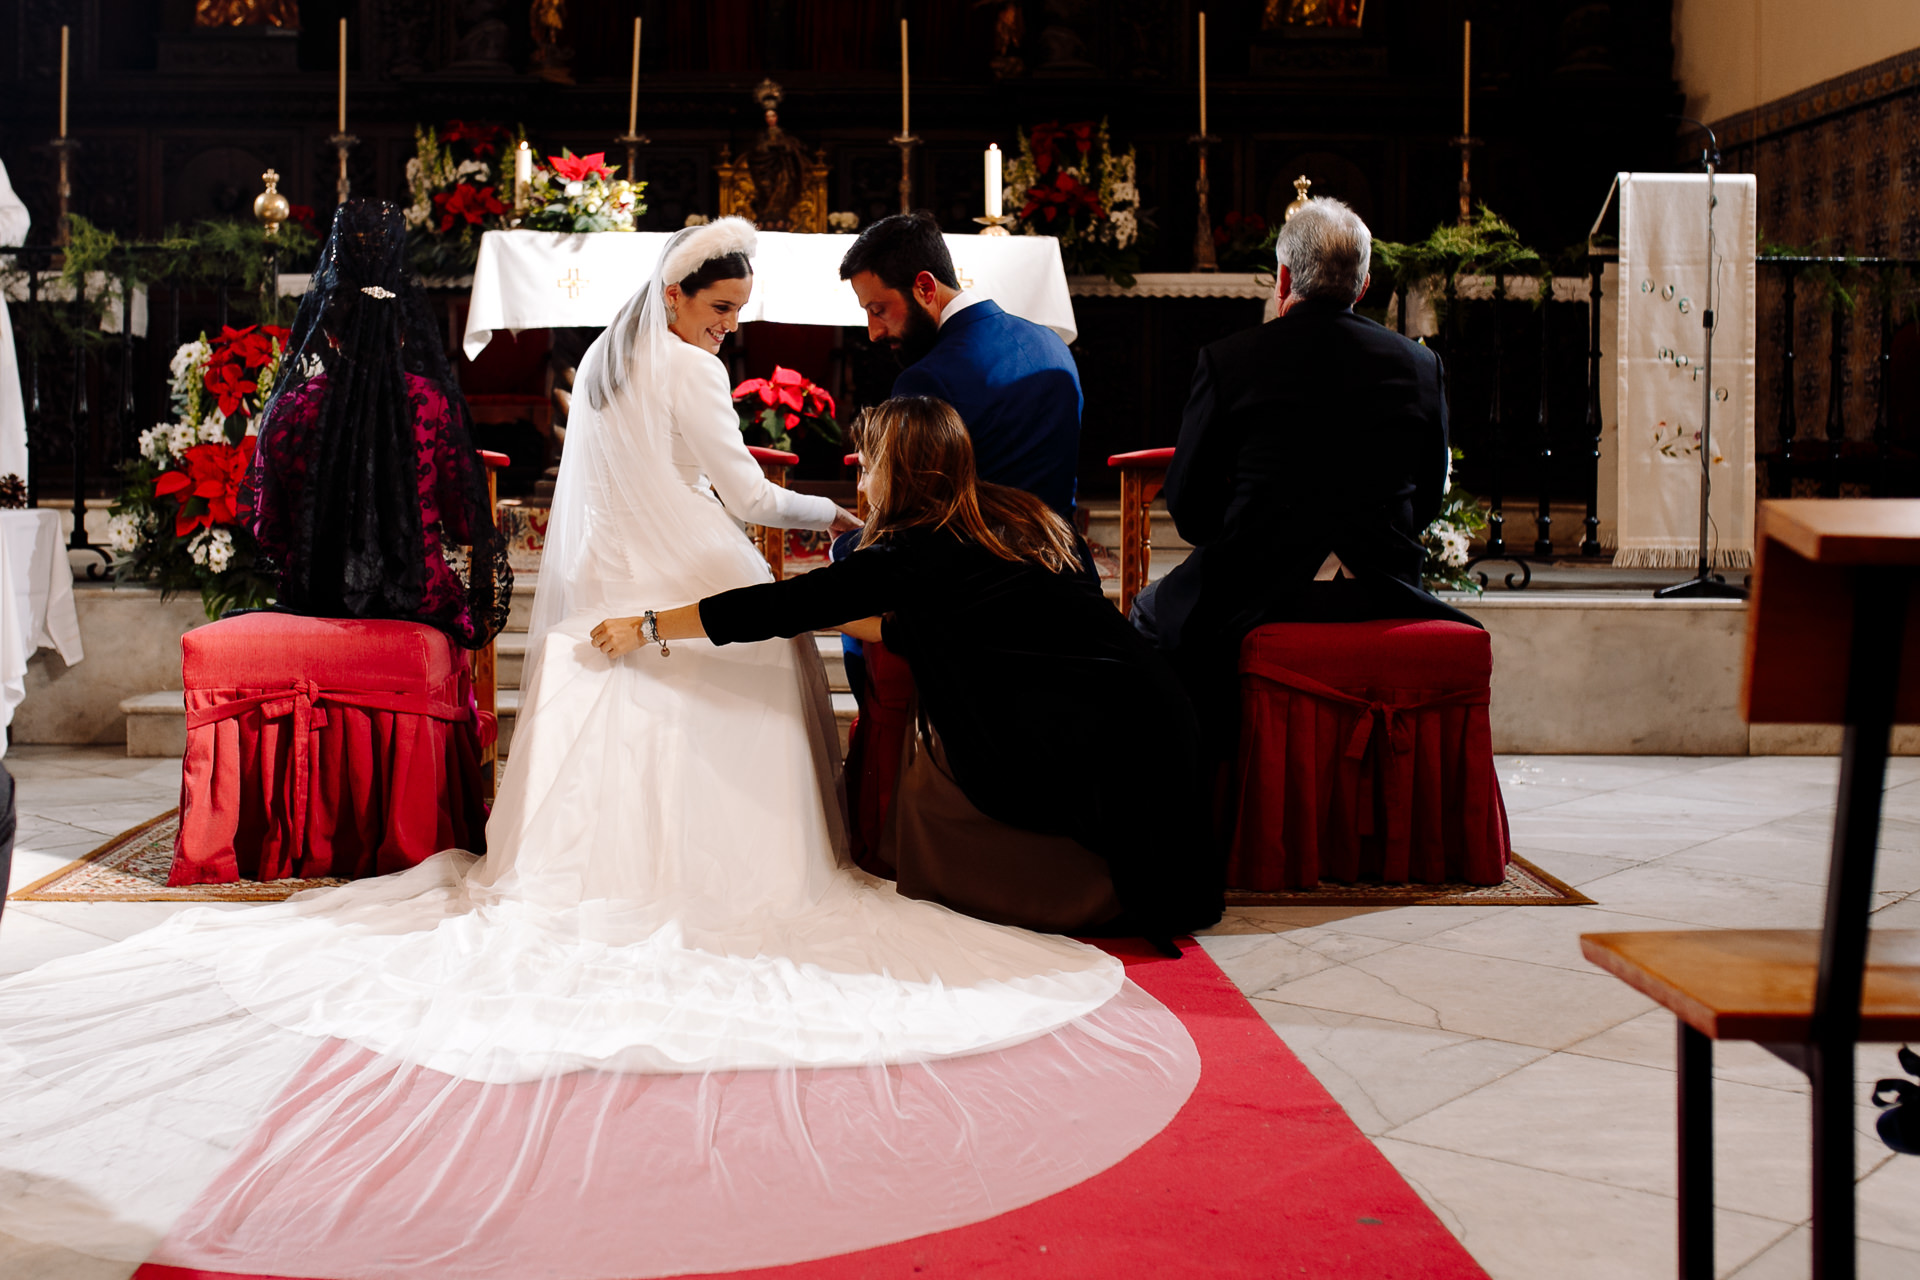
(338, 471)
(754, 1058)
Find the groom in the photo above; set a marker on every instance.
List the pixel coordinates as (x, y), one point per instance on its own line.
(1013, 381)
(1017, 389)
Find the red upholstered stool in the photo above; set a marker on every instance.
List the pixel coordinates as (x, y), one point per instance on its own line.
(1366, 755)
(324, 747)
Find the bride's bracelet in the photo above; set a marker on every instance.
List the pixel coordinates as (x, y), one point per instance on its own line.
(650, 632)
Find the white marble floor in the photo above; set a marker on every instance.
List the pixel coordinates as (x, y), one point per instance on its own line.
(1525, 1095)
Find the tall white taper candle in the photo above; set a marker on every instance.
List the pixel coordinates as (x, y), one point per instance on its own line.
(995, 182)
(905, 132)
(1466, 80)
(1203, 73)
(633, 85)
(343, 77)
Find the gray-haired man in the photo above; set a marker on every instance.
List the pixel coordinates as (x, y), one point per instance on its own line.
(1312, 454)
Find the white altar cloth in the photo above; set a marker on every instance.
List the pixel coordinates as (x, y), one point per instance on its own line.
(36, 602)
(547, 279)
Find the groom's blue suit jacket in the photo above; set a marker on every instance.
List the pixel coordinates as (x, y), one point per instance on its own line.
(1015, 385)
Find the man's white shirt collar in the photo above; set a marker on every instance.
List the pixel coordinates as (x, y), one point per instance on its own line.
(961, 301)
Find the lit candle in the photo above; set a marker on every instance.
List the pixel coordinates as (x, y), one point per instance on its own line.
(633, 85)
(1466, 81)
(1203, 73)
(63, 81)
(522, 166)
(994, 181)
(905, 132)
(343, 77)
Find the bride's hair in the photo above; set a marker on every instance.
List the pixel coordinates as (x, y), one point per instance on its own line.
(920, 475)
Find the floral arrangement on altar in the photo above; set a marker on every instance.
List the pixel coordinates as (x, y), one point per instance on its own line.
(784, 406)
(455, 186)
(1243, 242)
(580, 193)
(181, 520)
(1069, 182)
(1449, 539)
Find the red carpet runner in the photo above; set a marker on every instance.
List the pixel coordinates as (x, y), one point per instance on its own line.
(1260, 1175)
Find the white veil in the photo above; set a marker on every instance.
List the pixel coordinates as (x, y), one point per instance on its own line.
(683, 1046)
(624, 528)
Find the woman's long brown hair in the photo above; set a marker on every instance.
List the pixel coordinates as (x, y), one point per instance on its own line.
(920, 475)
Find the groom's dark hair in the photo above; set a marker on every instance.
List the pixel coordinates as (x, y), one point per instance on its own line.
(898, 249)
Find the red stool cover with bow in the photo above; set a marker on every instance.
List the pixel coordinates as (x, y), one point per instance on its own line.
(1366, 755)
(324, 747)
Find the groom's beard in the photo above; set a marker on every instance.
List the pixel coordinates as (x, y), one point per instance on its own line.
(919, 336)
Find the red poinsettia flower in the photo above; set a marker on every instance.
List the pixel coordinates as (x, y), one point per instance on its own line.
(822, 402)
(1066, 195)
(475, 204)
(789, 387)
(301, 215)
(228, 384)
(484, 139)
(572, 168)
(755, 386)
(214, 473)
(1046, 139)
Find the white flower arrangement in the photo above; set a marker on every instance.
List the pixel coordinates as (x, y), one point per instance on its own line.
(212, 549)
(124, 532)
(844, 223)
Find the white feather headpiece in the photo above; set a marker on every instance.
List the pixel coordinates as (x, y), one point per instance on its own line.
(717, 239)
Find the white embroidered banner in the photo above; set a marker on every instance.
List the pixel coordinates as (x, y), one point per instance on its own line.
(540, 279)
(1660, 345)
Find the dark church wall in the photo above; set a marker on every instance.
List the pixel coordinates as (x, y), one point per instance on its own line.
(1838, 166)
(1566, 94)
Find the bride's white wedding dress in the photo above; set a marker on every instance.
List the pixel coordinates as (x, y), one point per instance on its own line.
(660, 1028)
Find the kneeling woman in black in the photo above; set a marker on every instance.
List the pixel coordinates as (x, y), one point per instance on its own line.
(1054, 782)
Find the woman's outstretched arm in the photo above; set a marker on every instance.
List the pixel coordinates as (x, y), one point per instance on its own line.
(618, 636)
(848, 596)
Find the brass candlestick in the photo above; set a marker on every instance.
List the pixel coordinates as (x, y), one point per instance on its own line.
(906, 142)
(633, 142)
(1203, 256)
(995, 225)
(63, 147)
(343, 186)
(1466, 145)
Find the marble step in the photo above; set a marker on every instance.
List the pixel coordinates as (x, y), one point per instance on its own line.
(157, 722)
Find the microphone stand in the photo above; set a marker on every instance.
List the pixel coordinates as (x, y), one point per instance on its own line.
(1706, 584)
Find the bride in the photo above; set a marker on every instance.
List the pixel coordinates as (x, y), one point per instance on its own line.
(662, 1027)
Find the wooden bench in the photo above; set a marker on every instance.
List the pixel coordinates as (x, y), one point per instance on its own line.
(485, 661)
(1833, 636)
(774, 464)
(1142, 475)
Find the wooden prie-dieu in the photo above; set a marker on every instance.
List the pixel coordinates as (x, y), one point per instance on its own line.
(1833, 636)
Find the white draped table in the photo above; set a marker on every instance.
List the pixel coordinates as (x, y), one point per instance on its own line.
(546, 279)
(36, 602)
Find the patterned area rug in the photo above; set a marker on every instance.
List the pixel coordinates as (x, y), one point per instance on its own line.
(1525, 886)
(132, 867)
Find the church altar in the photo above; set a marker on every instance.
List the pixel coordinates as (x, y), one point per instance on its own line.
(540, 279)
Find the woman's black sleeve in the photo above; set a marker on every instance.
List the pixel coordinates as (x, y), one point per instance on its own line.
(864, 584)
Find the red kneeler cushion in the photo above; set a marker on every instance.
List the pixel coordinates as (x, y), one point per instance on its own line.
(324, 747)
(1366, 755)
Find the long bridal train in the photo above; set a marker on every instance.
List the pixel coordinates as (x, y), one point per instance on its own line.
(661, 1028)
